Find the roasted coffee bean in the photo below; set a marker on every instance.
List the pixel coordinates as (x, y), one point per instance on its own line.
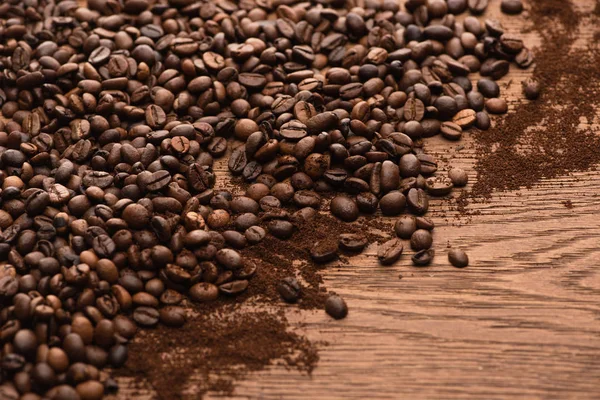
(146, 316)
(439, 186)
(511, 6)
(421, 240)
(367, 202)
(458, 258)
(281, 229)
(354, 242)
(496, 106)
(464, 118)
(451, 130)
(483, 121)
(531, 88)
(289, 289)
(324, 251)
(478, 6)
(417, 201)
(458, 177)
(344, 208)
(234, 287)
(336, 307)
(203, 292)
(405, 226)
(390, 251)
(423, 258)
(392, 203)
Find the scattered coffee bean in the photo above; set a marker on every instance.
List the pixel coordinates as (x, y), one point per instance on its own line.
(390, 251)
(336, 307)
(458, 258)
(511, 6)
(423, 258)
(289, 289)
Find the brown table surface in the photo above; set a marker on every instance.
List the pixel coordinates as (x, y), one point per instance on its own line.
(522, 321)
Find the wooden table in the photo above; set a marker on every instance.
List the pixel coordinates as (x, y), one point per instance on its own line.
(522, 321)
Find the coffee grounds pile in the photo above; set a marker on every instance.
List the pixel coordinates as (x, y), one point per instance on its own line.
(222, 342)
(280, 258)
(542, 139)
(217, 346)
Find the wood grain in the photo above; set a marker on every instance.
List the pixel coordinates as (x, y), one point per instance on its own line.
(522, 321)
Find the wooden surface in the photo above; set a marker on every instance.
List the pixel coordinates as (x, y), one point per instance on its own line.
(522, 321)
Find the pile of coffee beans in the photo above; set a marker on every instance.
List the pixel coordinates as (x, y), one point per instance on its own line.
(116, 111)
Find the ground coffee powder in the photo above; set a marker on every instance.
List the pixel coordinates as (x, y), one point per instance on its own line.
(542, 138)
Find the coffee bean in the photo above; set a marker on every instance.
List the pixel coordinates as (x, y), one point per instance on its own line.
(344, 208)
(477, 6)
(324, 251)
(289, 289)
(417, 201)
(531, 88)
(496, 106)
(204, 292)
(281, 229)
(451, 130)
(146, 316)
(464, 118)
(483, 121)
(234, 288)
(423, 258)
(255, 234)
(336, 307)
(511, 6)
(439, 186)
(458, 258)
(405, 226)
(353, 242)
(421, 240)
(390, 251)
(488, 88)
(392, 203)
(458, 177)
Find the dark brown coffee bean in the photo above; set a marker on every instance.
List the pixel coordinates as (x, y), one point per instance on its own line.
(496, 106)
(146, 316)
(478, 7)
(417, 201)
(405, 226)
(289, 289)
(353, 242)
(367, 202)
(392, 203)
(458, 258)
(281, 229)
(344, 208)
(336, 307)
(234, 288)
(421, 240)
(458, 177)
(324, 251)
(531, 88)
(465, 118)
(255, 234)
(229, 259)
(439, 186)
(204, 292)
(511, 6)
(423, 258)
(390, 251)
